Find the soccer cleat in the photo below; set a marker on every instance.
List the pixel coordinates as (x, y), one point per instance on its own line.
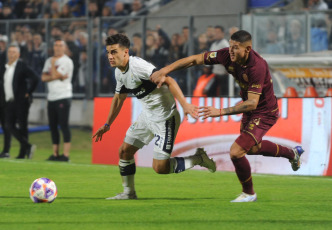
(206, 161)
(123, 196)
(4, 155)
(53, 158)
(244, 197)
(296, 162)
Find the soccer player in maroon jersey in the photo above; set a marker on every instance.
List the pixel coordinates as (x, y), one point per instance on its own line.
(259, 106)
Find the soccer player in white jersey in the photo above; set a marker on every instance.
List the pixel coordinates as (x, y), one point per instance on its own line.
(159, 117)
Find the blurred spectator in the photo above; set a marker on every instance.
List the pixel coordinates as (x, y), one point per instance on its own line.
(83, 71)
(210, 35)
(175, 52)
(65, 12)
(37, 57)
(203, 43)
(317, 5)
(137, 8)
(206, 83)
(93, 9)
(219, 70)
(295, 43)
(232, 30)
(77, 7)
(111, 4)
(161, 53)
(120, 10)
(136, 48)
(106, 12)
(19, 40)
(55, 10)
(30, 12)
(18, 7)
(273, 46)
(73, 52)
(175, 49)
(7, 13)
(3, 47)
(150, 47)
(185, 45)
(107, 72)
(111, 31)
(318, 34)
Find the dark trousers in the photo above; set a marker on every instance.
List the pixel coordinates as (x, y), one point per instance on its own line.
(17, 122)
(6, 131)
(58, 115)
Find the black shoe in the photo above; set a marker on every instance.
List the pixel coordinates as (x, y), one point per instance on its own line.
(30, 151)
(4, 155)
(53, 158)
(20, 157)
(63, 158)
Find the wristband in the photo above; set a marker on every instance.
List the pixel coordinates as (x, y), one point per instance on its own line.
(107, 125)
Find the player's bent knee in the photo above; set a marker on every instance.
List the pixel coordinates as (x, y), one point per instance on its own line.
(236, 151)
(255, 149)
(125, 154)
(160, 167)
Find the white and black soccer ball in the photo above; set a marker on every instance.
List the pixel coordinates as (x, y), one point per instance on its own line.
(43, 190)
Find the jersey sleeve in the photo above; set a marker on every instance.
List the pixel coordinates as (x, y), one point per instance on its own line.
(63, 67)
(47, 66)
(217, 57)
(256, 80)
(142, 68)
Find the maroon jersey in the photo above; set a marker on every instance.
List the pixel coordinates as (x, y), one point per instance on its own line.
(252, 78)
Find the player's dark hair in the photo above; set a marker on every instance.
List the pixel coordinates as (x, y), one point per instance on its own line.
(120, 39)
(241, 36)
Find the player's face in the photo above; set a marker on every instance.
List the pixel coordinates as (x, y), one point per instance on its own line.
(239, 51)
(117, 55)
(13, 54)
(59, 48)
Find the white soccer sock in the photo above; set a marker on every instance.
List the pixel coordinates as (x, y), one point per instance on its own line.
(128, 181)
(180, 164)
(191, 161)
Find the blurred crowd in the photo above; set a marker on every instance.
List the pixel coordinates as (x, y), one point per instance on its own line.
(34, 9)
(276, 35)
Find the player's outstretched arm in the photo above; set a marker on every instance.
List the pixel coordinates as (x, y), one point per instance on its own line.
(159, 77)
(246, 106)
(116, 106)
(177, 93)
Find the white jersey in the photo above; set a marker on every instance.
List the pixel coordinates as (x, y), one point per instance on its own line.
(58, 89)
(157, 104)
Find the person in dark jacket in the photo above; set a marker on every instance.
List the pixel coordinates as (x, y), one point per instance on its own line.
(18, 82)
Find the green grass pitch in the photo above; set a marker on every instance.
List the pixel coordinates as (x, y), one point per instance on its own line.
(190, 200)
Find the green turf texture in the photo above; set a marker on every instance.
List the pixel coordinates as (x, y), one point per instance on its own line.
(190, 200)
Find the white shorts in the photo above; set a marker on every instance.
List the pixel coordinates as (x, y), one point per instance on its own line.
(143, 131)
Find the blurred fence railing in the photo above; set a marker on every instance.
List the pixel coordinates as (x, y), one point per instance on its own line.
(160, 40)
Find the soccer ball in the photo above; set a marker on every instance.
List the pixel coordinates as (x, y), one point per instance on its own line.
(43, 190)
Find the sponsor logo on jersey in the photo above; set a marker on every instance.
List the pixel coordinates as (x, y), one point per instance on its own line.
(258, 86)
(213, 55)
